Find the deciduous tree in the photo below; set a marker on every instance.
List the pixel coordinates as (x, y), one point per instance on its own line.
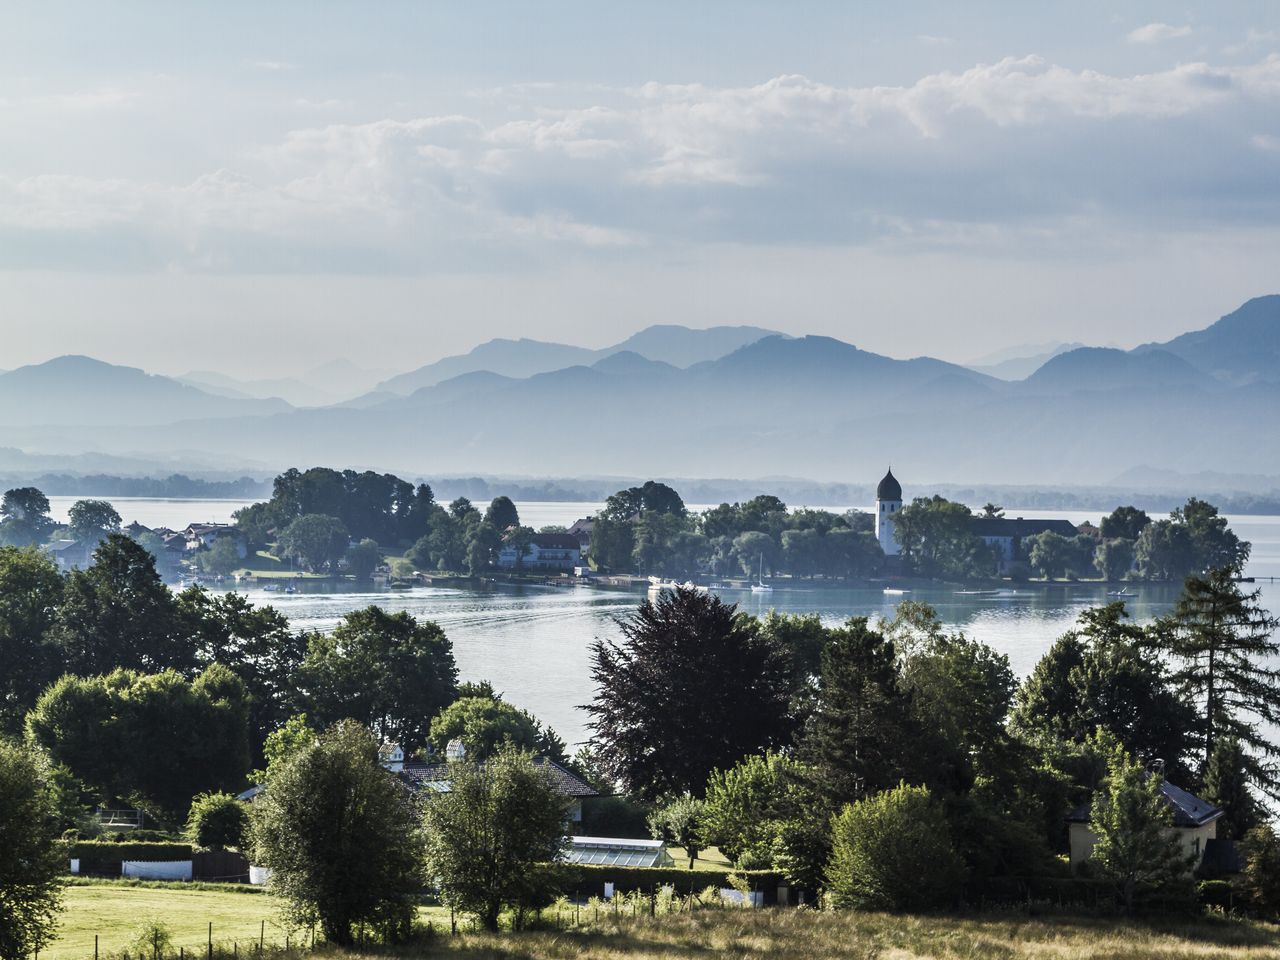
(31, 866)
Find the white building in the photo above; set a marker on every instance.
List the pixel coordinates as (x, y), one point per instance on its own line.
(1195, 823)
(888, 503)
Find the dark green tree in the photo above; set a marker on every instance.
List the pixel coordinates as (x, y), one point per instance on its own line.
(340, 836)
(118, 613)
(483, 725)
(490, 836)
(1260, 879)
(30, 591)
(385, 670)
(1124, 523)
(91, 521)
(315, 540)
(691, 688)
(363, 558)
(24, 517)
(217, 821)
(1213, 544)
(1165, 551)
(1227, 784)
(502, 513)
(1115, 558)
(32, 865)
(937, 539)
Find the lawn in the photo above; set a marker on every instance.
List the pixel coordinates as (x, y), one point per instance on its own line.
(115, 910)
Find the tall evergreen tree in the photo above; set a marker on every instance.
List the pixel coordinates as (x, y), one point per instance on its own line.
(1223, 642)
(1227, 784)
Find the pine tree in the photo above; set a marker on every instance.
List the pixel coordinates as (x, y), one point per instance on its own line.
(1227, 785)
(1136, 847)
(1222, 640)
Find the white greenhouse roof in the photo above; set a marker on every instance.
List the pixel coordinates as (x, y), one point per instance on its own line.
(617, 852)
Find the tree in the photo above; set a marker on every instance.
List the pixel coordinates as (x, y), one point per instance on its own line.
(679, 821)
(118, 613)
(386, 670)
(339, 835)
(1135, 846)
(745, 805)
(1213, 545)
(937, 539)
(652, 497)
(1165, 551)
(1124, 523)
(1226, 784)
(484, 543)
(483, 725)
(691, 688)
(502, 514)
(1050, 553)
(90, 521)
(154, 740)
(1260, 879)
(221, 558)
(32, 865)
(893, 851)
(217, 821)
(489, 835)
(1223, 643)
(755, 550)
(30, 591)
(1115, 558)
(24, 517)
(318, 541)
(612, 542)
(363, 558)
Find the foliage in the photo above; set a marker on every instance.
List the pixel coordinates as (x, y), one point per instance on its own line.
(217, 821)
(1226, 784)
(339, 834)
(487, 834)
(1135, 847)
(381, 507)
(1195, 540)
(386, 670)
(363, 558)
(1124, 523)
(937, 540)
(105, 856)
(316, 540)
(485, 724)
(502, 514)
(222, 557)
(294, 736)
(118, 613)
(1115, 558)
(745, 806)
(893, 851)
(679, 821)
(1056, 556)
(90, 521)
(1223, 643)
(152, 938)
(1260, 879)
(24, 517)
(30, 591)
(32, 863)
(156, 740)
(691, 688)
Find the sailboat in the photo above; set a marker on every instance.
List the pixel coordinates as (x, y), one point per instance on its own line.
(760, 586)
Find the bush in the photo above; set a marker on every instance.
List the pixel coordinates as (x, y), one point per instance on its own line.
(217, 821)
(1215, 893)
(1260, 880)
(105, 856)
(893, 851)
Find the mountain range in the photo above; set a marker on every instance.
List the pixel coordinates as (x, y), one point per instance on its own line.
(726, 401)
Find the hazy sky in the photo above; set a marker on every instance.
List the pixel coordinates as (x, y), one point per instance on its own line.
(261, 187)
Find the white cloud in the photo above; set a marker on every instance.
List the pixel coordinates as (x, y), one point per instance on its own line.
(1253, 39)
(1157, 33)
(1017, 152)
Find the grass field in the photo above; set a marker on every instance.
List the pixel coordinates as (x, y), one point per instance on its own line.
(114, 911)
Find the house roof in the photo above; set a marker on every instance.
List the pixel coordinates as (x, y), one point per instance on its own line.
(1188, 809)
(435, 776)
(1020, 528)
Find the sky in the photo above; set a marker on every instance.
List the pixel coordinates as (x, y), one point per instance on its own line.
(261, 188)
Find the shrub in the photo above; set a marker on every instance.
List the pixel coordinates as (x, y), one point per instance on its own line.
(1260, 880)
(893, 851)
(217, 821)
(152, 938)
(105, 856)
(1215, 893)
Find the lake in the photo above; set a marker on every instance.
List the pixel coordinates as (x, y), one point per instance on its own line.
(532, 642)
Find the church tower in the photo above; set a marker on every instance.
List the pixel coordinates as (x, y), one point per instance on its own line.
(888, 503)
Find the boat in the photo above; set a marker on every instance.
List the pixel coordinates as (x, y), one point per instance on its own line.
(760, 586)
(895, 592)
(271, 587)
(291, 589)
(1124, 593)
(978, 593)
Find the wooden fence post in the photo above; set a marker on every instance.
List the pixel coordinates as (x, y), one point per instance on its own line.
(210, 940)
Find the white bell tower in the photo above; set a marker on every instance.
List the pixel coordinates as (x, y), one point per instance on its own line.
(888, 503)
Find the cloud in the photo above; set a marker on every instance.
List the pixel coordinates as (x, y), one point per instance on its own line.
(1265, 142)
(1016, 155)
(1253, 39)
(1157, 33)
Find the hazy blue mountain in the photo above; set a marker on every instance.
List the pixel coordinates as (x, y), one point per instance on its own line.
(83, 391)
(1241, 347)
(1019, 363)
(294, 392)
(668, 343)
(1105, 368)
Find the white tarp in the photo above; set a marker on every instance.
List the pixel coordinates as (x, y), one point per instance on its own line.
(156, 870)
(75, 865)
(259, 875)
(730, 895)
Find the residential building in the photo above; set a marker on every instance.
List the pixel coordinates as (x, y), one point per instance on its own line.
(200, 536)
(546, 551)
(1006, 537)
(71, 554)
(1195, 823)
(420, 776)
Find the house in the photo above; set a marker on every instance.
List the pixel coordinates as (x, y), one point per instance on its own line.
(617, 852)
(546, 551)
(1007, 536)
(71, 554)
(200, 536)
(1195, 822)
(582, 530)
(420, 777)
(1088, 529)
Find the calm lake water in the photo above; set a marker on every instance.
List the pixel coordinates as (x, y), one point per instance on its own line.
(532, 642)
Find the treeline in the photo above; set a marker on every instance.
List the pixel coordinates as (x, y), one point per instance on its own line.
(901, 765)
(149, 698)
(176, 486)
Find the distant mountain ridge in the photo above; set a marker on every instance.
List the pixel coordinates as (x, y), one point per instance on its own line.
(775, 405)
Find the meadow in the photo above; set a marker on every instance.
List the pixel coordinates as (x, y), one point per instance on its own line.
(114, 911)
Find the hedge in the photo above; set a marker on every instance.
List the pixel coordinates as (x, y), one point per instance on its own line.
(98, 856)
(1075, 891)
(589, 879)
(1216, 893)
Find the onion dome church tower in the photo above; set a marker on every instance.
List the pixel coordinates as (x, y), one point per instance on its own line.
(888, 503)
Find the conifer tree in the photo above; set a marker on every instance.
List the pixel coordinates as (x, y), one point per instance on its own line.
(1227, 785)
